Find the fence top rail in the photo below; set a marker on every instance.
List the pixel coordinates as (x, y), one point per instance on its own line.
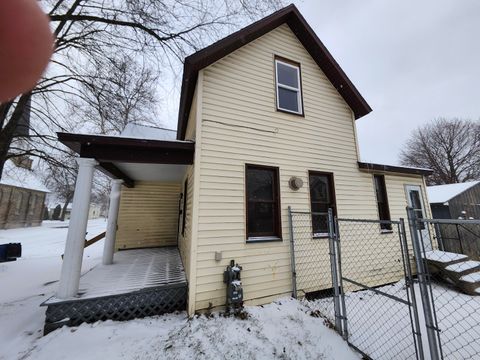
(393, 222)
(308, 212)
(450, 221)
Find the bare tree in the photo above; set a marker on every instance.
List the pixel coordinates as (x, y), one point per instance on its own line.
(160, 32)
(120, 91)
(450, 147)
(60, 180)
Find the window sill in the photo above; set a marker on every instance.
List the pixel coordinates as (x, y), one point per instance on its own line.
(320, 236)
(260, 239)
(301, 114)
(386, 232)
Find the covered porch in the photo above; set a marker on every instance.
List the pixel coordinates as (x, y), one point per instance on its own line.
(141, 282)
(142, 270)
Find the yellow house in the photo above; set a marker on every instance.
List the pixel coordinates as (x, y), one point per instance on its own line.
(266, 122)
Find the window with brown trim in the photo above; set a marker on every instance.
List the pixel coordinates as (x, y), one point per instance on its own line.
(288, 86)
(322, 197)
(184, 211)
(382, 201)
(262, 203)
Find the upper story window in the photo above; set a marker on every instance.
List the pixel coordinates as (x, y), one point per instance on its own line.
(288, 86)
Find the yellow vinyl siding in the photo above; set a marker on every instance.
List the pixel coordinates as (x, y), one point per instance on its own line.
(148, 215)
(239, 124)
(397, 199)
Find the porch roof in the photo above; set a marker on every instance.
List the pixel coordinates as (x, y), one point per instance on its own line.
(133, 159)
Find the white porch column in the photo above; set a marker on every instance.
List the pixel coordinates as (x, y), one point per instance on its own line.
(72, 260)
(109, 246)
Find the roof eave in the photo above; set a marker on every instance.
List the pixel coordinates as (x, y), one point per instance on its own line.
(370, 167)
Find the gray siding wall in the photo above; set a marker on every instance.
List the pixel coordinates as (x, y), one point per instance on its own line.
(468, 201)
(20, 207)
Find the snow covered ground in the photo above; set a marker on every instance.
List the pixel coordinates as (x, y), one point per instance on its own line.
(380, 326)
(286, 329)
(281, 330)
(32, 279)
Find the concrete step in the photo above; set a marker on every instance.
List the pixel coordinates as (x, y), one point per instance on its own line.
(444, 258)
(464, 267)
(456, 269)
(470, 283)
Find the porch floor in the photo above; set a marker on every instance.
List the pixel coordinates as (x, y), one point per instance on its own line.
(132, 270)
(141, 282)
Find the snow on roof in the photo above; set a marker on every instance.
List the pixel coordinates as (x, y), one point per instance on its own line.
(148, 132)
(443, 193)
(20, 177)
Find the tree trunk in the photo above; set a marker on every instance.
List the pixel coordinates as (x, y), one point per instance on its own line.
(6, 134)
(64, 209)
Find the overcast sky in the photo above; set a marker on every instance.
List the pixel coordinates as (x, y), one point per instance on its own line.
(412, 61)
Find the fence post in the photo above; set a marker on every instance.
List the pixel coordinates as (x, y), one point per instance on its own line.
(411, 289)
(438, 233)
(340, 281)
(333, 264)
(459, 240)
(292, 254)
(422, 282)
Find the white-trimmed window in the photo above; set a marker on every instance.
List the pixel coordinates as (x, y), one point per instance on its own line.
(288, 86)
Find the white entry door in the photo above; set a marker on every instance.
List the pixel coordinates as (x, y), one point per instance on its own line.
(415, 201)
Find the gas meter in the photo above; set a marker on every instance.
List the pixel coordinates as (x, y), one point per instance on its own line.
(231, 277)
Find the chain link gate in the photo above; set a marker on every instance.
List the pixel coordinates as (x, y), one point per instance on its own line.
(360, 277)
(448, 272)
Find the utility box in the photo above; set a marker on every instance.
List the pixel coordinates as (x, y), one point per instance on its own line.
(231, 277)
(10, 252)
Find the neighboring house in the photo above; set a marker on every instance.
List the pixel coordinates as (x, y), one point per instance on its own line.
(22, 195)
(94, 210)
(257, 108)
(453, 201)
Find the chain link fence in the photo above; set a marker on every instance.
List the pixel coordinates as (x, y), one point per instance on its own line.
(376, 278)
(452, 275)
(461, 237)
(312, 263)
(390, 293)
(358, 275)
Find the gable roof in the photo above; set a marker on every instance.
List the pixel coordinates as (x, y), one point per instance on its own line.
(22, 178)
(305, 34)
(443, 193)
